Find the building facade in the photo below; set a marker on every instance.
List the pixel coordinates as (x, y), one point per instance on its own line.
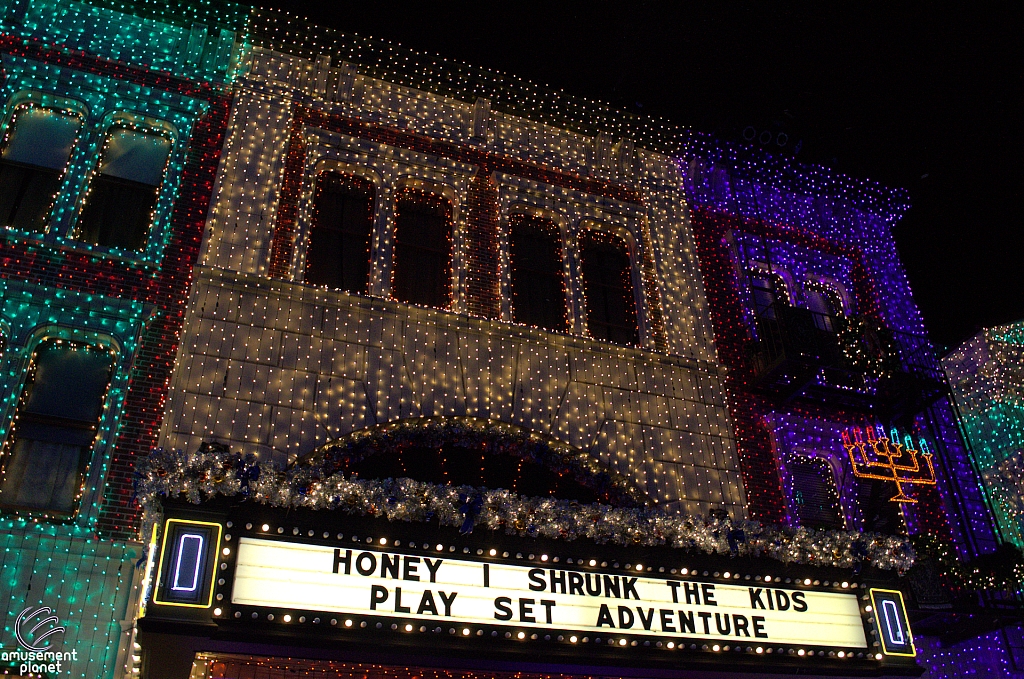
(416, 288)
(107, 162)
(986, 376)
(383, 364)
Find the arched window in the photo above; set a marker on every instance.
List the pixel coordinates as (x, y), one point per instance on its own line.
(338, 254)
(55, 428)
(815, 498)
(422, 272)
(37, 150)
(119, 207)
(538, 288)
(608, 286)
(824, 303)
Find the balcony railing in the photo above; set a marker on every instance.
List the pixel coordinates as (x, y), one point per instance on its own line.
(850, 362)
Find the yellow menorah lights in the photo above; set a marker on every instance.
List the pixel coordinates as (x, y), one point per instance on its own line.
(887, 459)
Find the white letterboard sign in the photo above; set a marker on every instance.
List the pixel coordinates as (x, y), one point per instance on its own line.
(440, 589)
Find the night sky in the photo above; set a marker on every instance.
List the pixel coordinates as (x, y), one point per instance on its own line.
(925, 100)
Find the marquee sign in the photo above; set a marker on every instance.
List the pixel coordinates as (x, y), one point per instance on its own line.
(423, 588)
(253, 578)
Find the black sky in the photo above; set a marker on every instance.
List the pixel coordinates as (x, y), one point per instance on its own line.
(928, 100)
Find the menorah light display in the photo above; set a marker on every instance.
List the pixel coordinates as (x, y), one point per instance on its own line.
(887, 459)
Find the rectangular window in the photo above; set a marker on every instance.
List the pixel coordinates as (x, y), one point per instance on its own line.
(119, 208)
(423, 250)
(55, 427)
(538, 291)
(338, 255)
(36, 153)
(608, 285)
(814, 493)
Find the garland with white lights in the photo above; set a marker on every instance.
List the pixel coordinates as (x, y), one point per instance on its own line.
(215, 471)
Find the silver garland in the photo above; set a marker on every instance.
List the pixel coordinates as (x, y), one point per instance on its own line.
(211, 473)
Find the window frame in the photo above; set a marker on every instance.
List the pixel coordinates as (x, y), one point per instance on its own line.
(65, 106)
(835, 483)
(429, 192)
(90, 486)
(556, 226)
(352, 173)
(600, 230)
(168, 182)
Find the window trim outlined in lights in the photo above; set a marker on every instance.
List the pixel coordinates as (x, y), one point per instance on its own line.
(888, 604)
(176, 532)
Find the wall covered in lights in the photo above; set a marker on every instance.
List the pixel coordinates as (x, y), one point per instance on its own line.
(810, 231)
(276, 367)
(986, 374)
(94, 112)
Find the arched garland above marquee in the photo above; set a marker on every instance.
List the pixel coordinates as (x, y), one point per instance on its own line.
(214, 472)
(489, 437)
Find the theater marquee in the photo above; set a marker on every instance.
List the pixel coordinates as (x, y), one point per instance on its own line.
(372, 584)
(423, 588)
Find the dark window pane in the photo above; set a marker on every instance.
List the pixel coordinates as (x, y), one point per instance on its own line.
(338, 255)
(117, 213)
(538, 293)
(26, 194)
(880, 514)
(119, 207)
(608, 284)
(814, 494)
(33, 160)
(56, 425)
(423, 246)
(825, 307)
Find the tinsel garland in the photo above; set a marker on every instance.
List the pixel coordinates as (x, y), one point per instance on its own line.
(489, 437)
(214, 471)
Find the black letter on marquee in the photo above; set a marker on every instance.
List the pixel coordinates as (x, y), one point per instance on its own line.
(604, 617)
(759, 627)
(536, 576)
(446, 601)
(427, 604)
(378, 595)
(646, 619)
(389, 566)
(706, 618)
(675, 590)
(548, 605)
(399, 608)
(799, 603)
(625, 617)
(432, 566)
(666, 621)
(686, 622)
(339, 559)
(709, 594)
(526, 610)
(629, 585)
(718, 623)
(502, 603)
(755, 598)
(781, 600)
(359, 563)
(409, 572)
(739, 623)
